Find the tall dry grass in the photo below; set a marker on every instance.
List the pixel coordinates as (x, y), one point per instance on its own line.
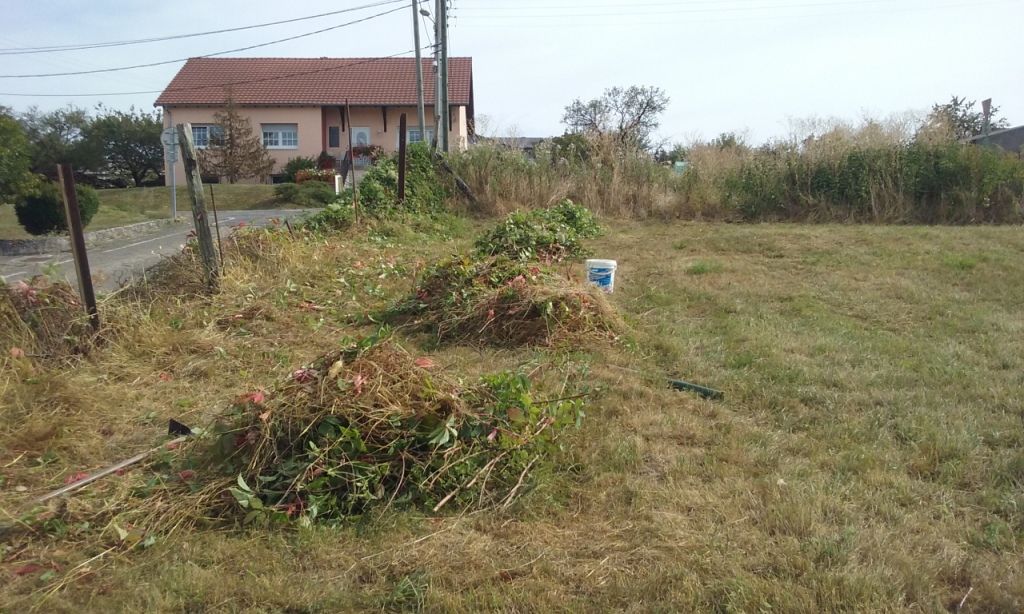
(891, 171)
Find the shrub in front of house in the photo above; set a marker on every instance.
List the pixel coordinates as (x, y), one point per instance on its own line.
(326, 161)
(315, 174)
(308, 194)
(295, 165)
(42, 211)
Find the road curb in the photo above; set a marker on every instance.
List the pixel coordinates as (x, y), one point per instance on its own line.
(49, 245)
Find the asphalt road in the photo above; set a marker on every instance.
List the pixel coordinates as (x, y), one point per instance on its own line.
(115, 262)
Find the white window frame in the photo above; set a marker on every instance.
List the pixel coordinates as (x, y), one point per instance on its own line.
(410, 131)
(208, 130)
(280, 136)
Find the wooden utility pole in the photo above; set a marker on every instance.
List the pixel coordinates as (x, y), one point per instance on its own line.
(352, 159)
(74, 217)
(442, 20)
(401, 157)
(199, 217)
(420, 108)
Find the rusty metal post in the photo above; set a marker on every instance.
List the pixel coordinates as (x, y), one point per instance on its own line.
(352, 159)
(199, 217)
(216, 224)
(74, 217)
(401, 158)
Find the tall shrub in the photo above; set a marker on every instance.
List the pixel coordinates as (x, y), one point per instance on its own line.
(42, 212)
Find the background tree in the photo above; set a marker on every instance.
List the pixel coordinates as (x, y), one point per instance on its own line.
(961, 120)
(127, 142)
(55, 137)
(630, 115)
(235, 152)
(15, 161)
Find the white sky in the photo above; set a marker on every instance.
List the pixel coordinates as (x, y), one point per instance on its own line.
(728, 65)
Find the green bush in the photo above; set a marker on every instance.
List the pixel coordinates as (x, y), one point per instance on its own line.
(424, 191)
(42, 212)
(309, 194)
(335, 216)
(295, 165)
(554, 233)
(916, 183)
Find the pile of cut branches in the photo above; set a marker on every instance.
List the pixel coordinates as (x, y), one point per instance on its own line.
(43, 317)
(502, 301)
(371, 426)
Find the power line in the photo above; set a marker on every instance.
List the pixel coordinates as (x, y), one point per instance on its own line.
(219, 85)
(505, 20)
(139, 41)
(679, 11)
(207, 55)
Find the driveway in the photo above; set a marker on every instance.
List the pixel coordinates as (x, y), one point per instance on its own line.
(115, 262)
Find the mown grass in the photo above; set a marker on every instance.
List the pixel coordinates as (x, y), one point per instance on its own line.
(867, 456)
(120, 207)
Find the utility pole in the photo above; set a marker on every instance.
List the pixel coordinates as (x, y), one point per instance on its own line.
(442, 19)
(439, 133)
(421, 113)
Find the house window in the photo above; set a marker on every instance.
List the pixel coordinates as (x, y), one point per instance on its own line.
(334, 136)
(204, 135)
(415, 136)
(281, 136)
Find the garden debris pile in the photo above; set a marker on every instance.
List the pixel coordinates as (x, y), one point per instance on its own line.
(505, 302)
(43, 318)
(548, 235)
(371, 426)
(507, 292)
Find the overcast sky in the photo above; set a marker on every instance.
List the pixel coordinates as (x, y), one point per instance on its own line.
(727, 65)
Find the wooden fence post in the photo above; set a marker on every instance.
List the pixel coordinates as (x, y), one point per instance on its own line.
(74, 217)
(401, 157)
(195, 191)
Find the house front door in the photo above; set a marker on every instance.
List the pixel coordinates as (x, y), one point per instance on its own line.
(361, 139)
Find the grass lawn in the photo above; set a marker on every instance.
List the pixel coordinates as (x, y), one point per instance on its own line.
(119, 207)
(868, 455)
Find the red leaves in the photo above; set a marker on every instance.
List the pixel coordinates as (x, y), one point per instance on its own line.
(17, 353)
(425, 363)
(165, 377)
(186, 474)
(26, 291)
(357, 383)
(27, 569)
(256, 398)
(76, 477)
(303, 375)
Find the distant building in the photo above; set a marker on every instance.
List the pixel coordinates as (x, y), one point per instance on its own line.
(297, 104)
(1011, 139)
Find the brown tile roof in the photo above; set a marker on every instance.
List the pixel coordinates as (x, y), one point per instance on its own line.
(312, 81)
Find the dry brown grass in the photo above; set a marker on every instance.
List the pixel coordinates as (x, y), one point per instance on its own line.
(866, 456)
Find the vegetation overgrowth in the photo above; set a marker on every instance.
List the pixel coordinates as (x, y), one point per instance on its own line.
(868, 173)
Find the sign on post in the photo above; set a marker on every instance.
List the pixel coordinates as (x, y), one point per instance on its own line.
(169, 137)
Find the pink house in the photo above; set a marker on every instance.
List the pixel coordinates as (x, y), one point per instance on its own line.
(298, 103)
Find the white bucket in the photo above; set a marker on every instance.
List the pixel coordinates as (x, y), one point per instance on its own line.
(602, 273)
